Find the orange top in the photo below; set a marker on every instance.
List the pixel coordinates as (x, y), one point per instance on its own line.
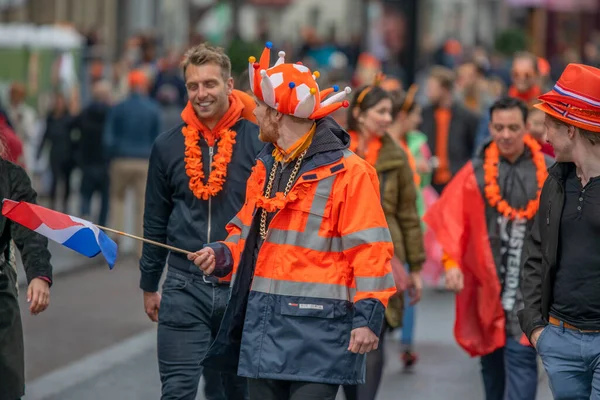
(372, 147)
(442, 123)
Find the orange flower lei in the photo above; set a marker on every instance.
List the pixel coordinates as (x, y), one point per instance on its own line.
(280, 201)
(492, 189)
(193, 162)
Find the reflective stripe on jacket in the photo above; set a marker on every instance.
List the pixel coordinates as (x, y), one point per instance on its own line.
(322, 271)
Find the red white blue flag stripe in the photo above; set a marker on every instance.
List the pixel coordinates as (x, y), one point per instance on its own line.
(75, 233)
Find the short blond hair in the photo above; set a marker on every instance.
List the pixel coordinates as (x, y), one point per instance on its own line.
(207, 54)
(445, 76)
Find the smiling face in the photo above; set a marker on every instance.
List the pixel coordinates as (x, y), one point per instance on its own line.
(524, 75)
(208, 91)
(377, 119)
(507, 128)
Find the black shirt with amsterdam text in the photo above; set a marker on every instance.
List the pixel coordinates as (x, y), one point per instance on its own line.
(576, 297)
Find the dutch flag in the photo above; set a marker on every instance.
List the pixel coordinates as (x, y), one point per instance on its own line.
(75, 233)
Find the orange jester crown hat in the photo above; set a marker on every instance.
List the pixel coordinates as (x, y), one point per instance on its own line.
(291, 88)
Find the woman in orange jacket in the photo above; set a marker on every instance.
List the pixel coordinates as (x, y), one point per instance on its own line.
(369, 117)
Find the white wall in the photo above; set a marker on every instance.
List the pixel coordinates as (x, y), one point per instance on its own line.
(461, 19)
(340, 13)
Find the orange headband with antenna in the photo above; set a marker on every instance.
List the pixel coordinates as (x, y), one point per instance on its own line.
(409, 100)
(379, 77)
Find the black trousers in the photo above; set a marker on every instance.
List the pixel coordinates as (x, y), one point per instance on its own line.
(375, 363)
(270, 389)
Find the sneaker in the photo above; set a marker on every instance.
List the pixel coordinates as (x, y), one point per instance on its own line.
(409, 359)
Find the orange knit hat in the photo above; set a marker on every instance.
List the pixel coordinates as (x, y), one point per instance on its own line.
(291, 88)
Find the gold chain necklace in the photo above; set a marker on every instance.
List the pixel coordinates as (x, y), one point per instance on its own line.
(288, 187)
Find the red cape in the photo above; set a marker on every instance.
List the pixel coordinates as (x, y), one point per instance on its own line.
(458, 220)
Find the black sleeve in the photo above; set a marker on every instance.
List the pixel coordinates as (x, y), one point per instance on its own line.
(531, 316)
(157, 210)
(32, 245)
(473, 129)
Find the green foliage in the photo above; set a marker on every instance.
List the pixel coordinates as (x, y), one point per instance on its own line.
(239, 51)
(511, 41)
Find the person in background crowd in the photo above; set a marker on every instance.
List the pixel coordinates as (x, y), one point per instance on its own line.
(561, 275)
(130, 130)
(58, 136)
(91, 157)
(450, 128)
(406, 118)
(481, 221)
(196, 184)
(22, 117)
(309, 244)
(525, 78)
(15, 185)
(369, 117)
(537, 130)
(4, 117)
(471, 91)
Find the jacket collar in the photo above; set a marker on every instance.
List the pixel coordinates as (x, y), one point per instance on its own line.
(560, 171)
(327, 147)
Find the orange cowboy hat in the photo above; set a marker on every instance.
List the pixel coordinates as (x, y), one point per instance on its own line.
(575, 98)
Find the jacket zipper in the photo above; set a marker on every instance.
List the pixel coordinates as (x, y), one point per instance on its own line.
(210, 153)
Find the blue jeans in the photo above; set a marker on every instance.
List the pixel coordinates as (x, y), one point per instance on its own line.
(510, 372)
(188, 321)
(408, 320)
(572, 360)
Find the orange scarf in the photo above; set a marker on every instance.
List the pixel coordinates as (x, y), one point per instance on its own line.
(297, 148)
(442, 117)
(233, 114)
(529, 96)
(412, 163)
(372, 151)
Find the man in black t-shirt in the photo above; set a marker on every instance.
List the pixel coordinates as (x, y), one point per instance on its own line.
(561, 278)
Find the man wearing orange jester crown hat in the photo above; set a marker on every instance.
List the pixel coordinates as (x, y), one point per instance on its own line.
(310, 249)
(196, 184)
(481, 221)
(561, 317)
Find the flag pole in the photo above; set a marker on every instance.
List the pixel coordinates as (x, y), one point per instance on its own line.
(166, 246)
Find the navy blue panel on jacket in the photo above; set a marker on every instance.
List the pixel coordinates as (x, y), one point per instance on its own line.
(173, 215)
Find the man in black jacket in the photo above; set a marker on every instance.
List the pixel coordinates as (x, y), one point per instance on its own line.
(196, 184)
(561, 317)
(90, 155)
(451, 129)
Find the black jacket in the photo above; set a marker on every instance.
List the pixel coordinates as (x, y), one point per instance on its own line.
(91, 123)
(15, 185)
(173, 215)
(461, 136)
(541, 251)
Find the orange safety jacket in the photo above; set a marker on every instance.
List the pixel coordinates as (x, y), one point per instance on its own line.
(323, 270)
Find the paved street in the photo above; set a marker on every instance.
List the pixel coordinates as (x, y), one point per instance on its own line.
(95, 343)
